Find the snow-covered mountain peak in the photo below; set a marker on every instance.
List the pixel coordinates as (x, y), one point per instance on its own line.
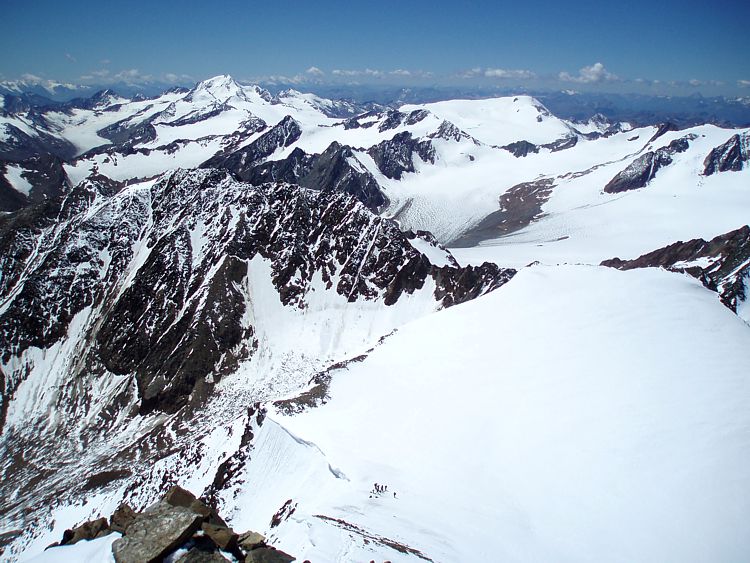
(500, 121)
(106, 98)
(224, 88)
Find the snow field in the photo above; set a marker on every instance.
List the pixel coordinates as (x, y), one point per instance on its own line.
(578, 414)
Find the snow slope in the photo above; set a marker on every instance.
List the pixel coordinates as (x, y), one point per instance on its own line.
(500, 121)
(14, 175)
(578, 414)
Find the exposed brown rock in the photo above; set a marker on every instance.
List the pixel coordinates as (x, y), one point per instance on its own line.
(251, 540)
(121, 518)
(197, 555)
(224, 538)
(86, 531)
(268, 555)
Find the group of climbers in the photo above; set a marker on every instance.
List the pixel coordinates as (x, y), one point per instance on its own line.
(379, 490)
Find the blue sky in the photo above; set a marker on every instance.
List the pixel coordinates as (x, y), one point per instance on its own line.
(610, 46)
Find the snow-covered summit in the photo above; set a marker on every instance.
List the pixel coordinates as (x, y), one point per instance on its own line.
(224, 89)
(500, 121)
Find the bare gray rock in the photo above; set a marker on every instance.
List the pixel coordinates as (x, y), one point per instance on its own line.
(156, 532)
(731, 156)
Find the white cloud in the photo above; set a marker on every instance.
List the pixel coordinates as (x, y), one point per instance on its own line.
(366, 72)
(71, 58)
(589, 75)
(400, 72)
(743, 83)
(173, 78)
(33, 78)
(696, 82)
(314, 71)
(471, 73)
(505, 73)
(132, 76)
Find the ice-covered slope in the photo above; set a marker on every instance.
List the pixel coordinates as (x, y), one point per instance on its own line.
(578, 414)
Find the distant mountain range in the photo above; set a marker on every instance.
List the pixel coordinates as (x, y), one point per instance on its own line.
(635, 108)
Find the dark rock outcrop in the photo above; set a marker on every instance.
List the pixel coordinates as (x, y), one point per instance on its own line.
(201, 555)
(395, 156)
(175, 322)
(732, 155)
(450, 132)
(518, 207)
(19, 145)
(663, 129)
(392, 119)
(643, 169)
(45, 174)
(520, 149)
(86, 531)
(268, 555)
(121, 518)
(283, 134)
(250, 540)
(721, 264)
(562, 144)
(178, 521)
(335, 170)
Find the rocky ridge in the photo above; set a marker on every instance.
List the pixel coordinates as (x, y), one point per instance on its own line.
(123, 310)
(721, 264)
(179, 527)
(732, 155)
(642, 170)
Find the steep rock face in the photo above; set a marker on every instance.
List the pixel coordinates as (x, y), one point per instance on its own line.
(338, 170)
(43, 173)
(128, 134)
(118, 305)
(283, 134)
(640, 172)
(732, 155)
(334, 170)
(721, 264)
(663, 129)
(17, 144)
(395, 156)
(450, 132)
(10, 198)
(164, 266)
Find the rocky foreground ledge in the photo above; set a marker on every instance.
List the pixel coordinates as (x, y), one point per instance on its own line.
(179, 528)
